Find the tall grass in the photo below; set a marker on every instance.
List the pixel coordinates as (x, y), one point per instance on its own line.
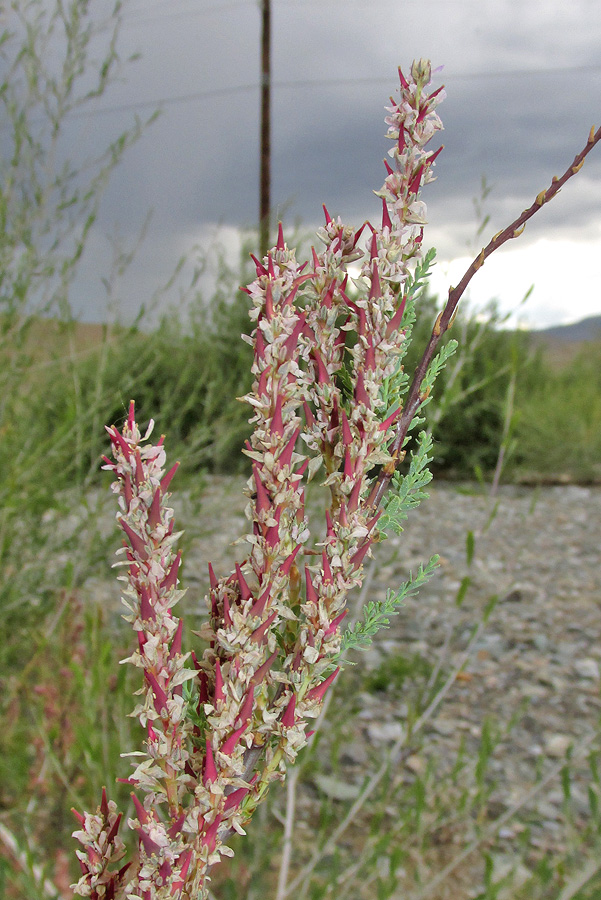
(191, 373)
(558, 428)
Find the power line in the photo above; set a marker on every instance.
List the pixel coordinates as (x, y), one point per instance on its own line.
(165, 101)
(318, 82)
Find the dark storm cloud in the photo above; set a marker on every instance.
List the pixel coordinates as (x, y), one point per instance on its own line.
(523, 79)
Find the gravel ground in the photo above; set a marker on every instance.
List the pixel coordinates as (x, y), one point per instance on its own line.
(537, 551)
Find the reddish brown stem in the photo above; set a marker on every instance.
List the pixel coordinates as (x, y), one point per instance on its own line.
(416, 397)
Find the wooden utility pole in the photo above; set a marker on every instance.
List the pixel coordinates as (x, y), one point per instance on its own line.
(265, 178)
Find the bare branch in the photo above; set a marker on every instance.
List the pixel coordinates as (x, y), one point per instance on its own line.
(445, 318)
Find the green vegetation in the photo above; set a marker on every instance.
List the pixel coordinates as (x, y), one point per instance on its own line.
(188, 376)
(64, 699)
(52, 541)
(393, 672)
(558, 425)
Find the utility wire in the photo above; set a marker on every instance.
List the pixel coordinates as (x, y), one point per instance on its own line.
(317, 82)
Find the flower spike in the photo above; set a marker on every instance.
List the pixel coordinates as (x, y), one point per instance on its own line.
(220, 729)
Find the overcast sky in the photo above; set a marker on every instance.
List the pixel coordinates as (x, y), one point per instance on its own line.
(523, 79)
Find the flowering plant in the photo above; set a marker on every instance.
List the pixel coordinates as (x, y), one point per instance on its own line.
(330, 396)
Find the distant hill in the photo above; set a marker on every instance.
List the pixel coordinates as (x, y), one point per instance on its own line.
(561, 343)
(588, 329)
